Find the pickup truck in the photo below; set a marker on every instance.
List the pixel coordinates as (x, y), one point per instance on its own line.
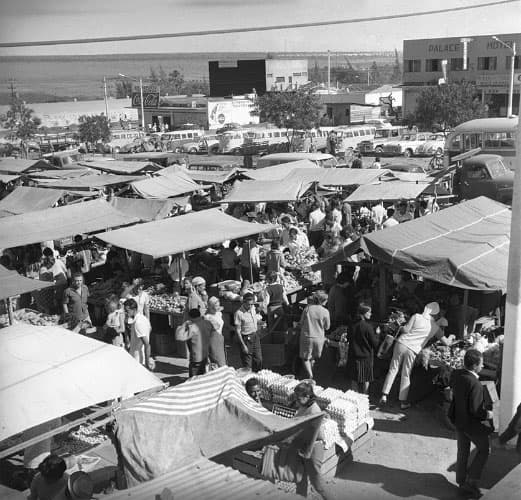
(484, 175)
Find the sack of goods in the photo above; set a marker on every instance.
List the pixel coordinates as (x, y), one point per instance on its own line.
(327, 396)
(266, 379)
(282, 390)
(345, 414)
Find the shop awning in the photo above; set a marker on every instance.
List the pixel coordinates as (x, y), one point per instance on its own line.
(387, 191)
(12, 284)
(26, 199)
(20, 165)
(54, 223)
(204, 417)
(182, 233)
(209, 177)
(465, 246)
(264, 191)
(278, 172)
(93, 181)
(339, 176)
(47, 372)
(174, 183)
(122, 167)
(5, 178)
(145, 210)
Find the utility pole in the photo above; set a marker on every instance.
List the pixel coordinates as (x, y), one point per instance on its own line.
(105, 95)
(511, 368)
(12, 88)
(328, 71)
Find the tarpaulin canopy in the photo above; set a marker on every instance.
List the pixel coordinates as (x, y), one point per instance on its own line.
(66, 173)
(166, 185)
(215, 177)
(182, 233)
(54, 223)
(26, 199)
(5, 178)
(93, 181)
(465, 245)
(388, 190)
(20, 165)
(263, 191)
(145, 210)
(278, 172)
(338, 176)
(47, 372)
(203, 417)
(12, 284)
(122, 167)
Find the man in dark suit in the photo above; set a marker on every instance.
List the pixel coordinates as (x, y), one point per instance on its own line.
(471, 419)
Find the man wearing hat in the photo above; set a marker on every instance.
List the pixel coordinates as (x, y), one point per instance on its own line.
(416, 334)
(198, 297)
(246, 319)
(79, 487)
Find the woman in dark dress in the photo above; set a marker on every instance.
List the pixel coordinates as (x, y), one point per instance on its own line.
(362, 344)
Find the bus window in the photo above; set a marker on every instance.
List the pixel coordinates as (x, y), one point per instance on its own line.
(499, 140)
(276, 134)
(349, 133)
(455, 143)
(190, 135)
(472, 141)
(355, 133)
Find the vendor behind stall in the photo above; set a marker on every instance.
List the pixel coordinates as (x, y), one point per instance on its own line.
(50, 480)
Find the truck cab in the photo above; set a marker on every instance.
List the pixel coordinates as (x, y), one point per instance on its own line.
(484, 175)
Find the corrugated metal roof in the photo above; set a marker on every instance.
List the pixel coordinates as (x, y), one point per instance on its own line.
(205, 479)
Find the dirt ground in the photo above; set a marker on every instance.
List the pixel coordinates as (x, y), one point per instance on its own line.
(411, 454)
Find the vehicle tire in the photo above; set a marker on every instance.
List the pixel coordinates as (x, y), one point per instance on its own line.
(439, 152)
(379, 150)
(178, 150)
(214, 150)
(407, 153)
(116, 150)
(193, 151)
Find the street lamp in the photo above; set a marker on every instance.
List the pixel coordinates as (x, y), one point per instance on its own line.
(511, 93)
(141, 93)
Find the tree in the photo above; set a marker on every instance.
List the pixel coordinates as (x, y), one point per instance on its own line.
(446, 106)
(94, 128)
(396, 76)
(20, 119)
(123, 88)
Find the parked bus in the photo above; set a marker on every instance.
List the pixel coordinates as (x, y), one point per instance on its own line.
(350, 136)
(261, 138)
(491, 135)
(121, 139)
(175, 140)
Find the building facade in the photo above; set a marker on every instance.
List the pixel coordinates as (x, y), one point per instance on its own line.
(482, 60)
(286, 74)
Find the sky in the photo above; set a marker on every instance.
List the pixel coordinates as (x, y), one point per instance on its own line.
(31, 20)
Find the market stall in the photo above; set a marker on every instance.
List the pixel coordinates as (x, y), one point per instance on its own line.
(88, 182)
(55, 223)
(279, 172)
(215, 177)
(28, 199)
(165, 185)
(19, 166)
(266, 191)
(339, 176)
(145, 210)
(122, 167)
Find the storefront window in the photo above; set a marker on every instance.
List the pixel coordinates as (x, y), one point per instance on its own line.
(487, 63)
(433, 65)
(456, 64)
(412, 65)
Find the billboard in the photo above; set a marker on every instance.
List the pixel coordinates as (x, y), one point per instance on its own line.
(231, 111)
(237, 77)
(150, 99)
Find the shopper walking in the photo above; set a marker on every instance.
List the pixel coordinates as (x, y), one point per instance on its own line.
(471, 418)
(363, 341)
(414, 337)
(246, 324)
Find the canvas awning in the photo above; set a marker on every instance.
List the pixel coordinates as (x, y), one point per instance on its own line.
(12, 284)
(387, 191)
(20, 165)
(204, 417)
(47, 372)
(211, 177)
(54, 223)
(166, 185)
(145, 210)
(122, 167)
(278, 172)
(5, 178)
(182, 233)
(264, 191)
(67, 173)
(93, 181)
(339, 176)
(465, 245)
(26, 199)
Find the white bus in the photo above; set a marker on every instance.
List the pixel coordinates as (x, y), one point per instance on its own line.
(491, 135)
(233, 141)
(350, 136)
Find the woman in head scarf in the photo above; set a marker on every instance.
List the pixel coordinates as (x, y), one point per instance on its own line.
(414, 337)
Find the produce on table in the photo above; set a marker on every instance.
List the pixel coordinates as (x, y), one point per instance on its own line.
(361, 401)
(330, 433)
(327, 396)
(167, 303)
(345, 414)
(266, 378)
(282, 390)
(35, 318)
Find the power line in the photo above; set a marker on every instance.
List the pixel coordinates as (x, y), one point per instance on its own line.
(250, 29)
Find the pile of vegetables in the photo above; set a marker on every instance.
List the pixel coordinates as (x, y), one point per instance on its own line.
(35, 318)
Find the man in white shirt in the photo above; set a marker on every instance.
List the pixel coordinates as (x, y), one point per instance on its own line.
(140, 330)
(317, 219)
(378, 214)
(390, 221)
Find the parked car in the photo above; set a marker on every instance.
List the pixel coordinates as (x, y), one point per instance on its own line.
(432, 146)
(207, 143)
(484, 175)
(405, 145)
